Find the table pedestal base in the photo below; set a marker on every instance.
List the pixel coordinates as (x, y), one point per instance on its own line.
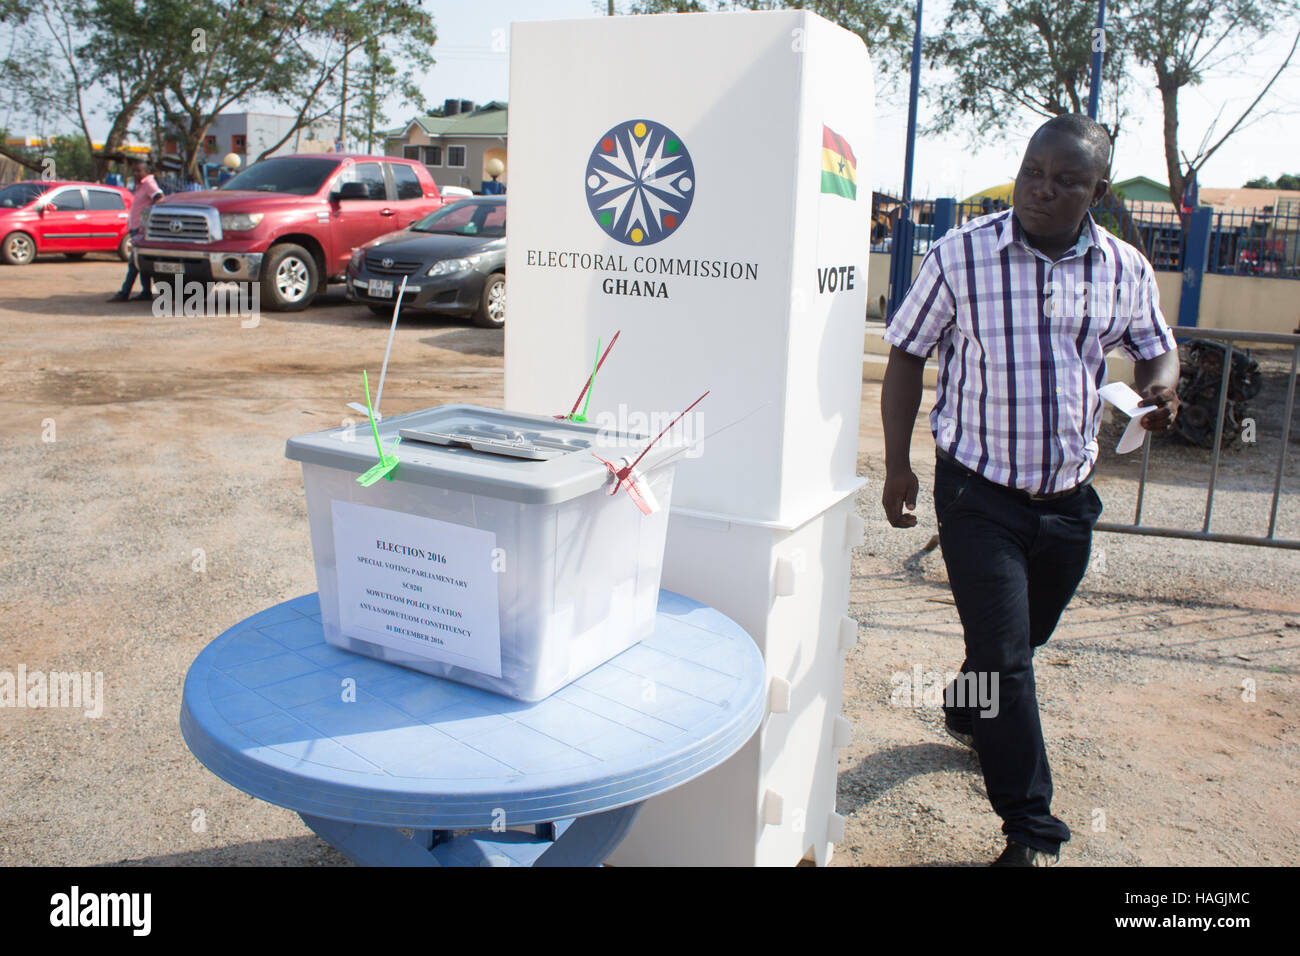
(585, 841)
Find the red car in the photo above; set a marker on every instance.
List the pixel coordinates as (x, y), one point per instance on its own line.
(289, 223)
(43, 216)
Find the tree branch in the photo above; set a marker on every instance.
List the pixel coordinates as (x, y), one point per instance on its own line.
(1202, 158)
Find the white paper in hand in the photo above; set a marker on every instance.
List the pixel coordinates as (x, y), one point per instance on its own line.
(1122, 396)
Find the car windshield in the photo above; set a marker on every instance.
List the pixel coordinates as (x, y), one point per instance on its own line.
(466, 218)
(286, 174)
(20, 194)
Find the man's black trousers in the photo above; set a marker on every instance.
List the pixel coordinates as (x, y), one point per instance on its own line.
(1013, 565)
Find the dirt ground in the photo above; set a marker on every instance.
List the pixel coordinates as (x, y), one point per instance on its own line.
(146, 505)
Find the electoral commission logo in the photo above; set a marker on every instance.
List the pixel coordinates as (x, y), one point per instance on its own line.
(640, 182)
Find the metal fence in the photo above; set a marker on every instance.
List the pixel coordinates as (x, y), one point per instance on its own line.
(1270, 538)
(1259, 242)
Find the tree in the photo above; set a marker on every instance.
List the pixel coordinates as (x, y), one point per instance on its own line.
(129, 53)
(73, 158)
(25, 104)
(28, 103)
(399, 32)
(378, 81)
(1285, 181)
(189, 60)
(224, 53)
(1006, 60)
(1183, 42)
(104, 53)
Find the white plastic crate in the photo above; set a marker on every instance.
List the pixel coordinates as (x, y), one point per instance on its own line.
(774, 802)
(510, 574)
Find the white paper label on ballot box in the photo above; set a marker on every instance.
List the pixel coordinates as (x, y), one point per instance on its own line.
(418, 585)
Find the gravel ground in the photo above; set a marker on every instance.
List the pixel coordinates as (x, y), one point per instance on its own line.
(165, 511)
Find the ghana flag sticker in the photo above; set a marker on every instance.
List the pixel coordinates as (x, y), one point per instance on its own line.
(839, 166)
(640, 182)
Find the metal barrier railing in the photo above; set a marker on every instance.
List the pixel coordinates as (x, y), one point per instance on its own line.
(1254, 242)
(1270, 540)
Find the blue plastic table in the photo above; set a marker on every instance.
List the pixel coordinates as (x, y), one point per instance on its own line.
(392, 766)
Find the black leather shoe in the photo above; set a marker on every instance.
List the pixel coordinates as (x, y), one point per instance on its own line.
(1017, 854)
(963, 737)
(119, 297)
(144, 296)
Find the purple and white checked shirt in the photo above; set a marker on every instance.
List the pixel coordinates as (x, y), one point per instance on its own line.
(1022, 343)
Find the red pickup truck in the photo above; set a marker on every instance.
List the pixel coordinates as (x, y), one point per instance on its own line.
(289, 222)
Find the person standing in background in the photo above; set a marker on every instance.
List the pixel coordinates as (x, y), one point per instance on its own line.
(147, 192)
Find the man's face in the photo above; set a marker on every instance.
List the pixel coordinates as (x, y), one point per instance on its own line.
(1058, 180)
(140, 170)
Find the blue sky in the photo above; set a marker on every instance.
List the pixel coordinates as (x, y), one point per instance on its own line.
(473, 63)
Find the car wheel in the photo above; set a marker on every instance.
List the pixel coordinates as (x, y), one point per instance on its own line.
(289, 278)
(18, 249)
(491, 312)
(124, 249)
(74, 256)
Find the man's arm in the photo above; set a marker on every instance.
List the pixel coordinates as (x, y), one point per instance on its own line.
(1156, 380)
(1150, 343)
(900, 398)
(922, 319)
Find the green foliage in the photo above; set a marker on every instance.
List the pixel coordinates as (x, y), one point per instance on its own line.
(1285, 181)
(1008, 60)
(16, 11)
(186, 61)
(1005, 61)
(1182, 42)
(379, 78)
(37, 97)
(72, 157)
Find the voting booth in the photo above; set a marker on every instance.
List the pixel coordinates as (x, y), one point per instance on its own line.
(700, 184)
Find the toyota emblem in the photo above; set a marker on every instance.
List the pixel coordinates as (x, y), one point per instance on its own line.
(175, 225)
(386, 263)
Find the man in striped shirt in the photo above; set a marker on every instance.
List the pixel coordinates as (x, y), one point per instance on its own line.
(1021, 306)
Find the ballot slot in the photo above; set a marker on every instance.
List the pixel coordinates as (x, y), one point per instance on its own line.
(493, 439)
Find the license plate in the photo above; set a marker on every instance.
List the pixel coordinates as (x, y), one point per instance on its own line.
(171, 268)
(381, 289)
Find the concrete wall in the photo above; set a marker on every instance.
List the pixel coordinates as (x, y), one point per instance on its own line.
(470, 176)
(262, 130)
(1245, 303)
(878, 280)
(1253, 303)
